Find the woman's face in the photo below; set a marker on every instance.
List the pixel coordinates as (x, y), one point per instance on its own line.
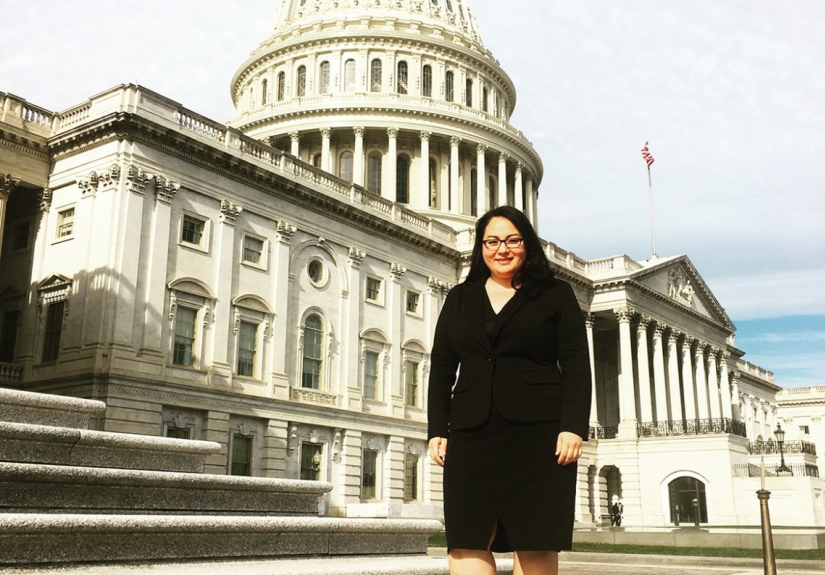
(503, 262)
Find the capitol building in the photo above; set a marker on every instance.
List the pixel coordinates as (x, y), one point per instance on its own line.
(272, 283)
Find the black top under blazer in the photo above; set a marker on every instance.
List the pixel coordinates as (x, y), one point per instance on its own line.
(537, 366)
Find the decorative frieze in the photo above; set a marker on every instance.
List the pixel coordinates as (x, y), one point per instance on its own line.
(165, 189)
(356, 257)
(285, 231)
(397, 271)
(88, 185)
(311, 395)
(137, 179)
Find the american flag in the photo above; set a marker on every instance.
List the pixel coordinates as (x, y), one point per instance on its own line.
(646, 156)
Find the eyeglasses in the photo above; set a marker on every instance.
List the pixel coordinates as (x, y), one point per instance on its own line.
(495, 243)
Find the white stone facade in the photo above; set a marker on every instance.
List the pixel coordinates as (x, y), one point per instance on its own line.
(260, 285)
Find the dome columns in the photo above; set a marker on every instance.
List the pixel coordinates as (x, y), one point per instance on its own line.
(454, 143)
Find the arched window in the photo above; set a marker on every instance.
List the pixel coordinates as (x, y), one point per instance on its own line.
(448, 87)
(375, 75)
(449, 6)
(345, 166)
(349, 76)
(281, 86)
(468, 98)
(374, 173)
(324, 79)
(264, 91)
(484, 99)
(401, 85)
(402, 180)
(433, 185)
(687, 501)
(302, 81)
(427, 82)
(313, 352)
(495, 103)
(474, 193)
(252, 102)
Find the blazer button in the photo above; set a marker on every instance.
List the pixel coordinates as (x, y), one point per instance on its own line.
(490, 359)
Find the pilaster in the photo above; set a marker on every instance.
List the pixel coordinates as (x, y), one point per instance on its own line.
(216, 428)
(351, 310)
(394, 470)
(274, 449)
(347, 443)
(283, 238)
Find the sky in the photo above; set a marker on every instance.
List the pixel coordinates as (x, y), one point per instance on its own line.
(729, 94)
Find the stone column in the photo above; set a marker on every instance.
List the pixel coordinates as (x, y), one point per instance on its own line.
(346, 452)
(482, 202)
(274, 450)
(222, 355)
(627, 391)
(7, 185)
(673, 377)
(352, 356)
(326, 163)
(280, 264)
(393, 490)
(518, 191)
(643, 365)
(701, 382)
(713, 385)
(216, 428)
(423, 199)
(590, 321)
(531, 205)
(390, 189)
(295, 144)
(358, 157)
(395, 307)
(736, 413)
(659, 385)
(724, 385)
(502, 179)
(687, 379)
(454, 191)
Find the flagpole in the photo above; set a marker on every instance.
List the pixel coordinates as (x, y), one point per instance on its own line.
(652, 222)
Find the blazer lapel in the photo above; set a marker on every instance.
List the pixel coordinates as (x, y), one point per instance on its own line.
(475, 305)
(509, 310)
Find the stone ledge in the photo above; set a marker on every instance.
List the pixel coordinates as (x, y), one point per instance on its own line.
(48, 409)
(41, 538)
(28, 443)
(35, 488)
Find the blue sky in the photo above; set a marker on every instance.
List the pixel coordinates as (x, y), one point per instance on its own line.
(728, 92)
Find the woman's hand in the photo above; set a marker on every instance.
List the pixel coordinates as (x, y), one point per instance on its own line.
(438, 449)
(568, 447)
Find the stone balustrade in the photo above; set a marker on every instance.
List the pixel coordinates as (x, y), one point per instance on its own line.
(10, 373)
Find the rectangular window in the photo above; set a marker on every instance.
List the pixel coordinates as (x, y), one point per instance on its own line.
(65, 223)
(369, 459)
(412, 301)
(241, 455)
(20, 240)
(247, 335)
(804, 430)
(371, 375)
(8, 335)
(192, 230)
(375, 75)
(411, 383)
(410, 477)
(184, 336)
(373, 289)
(54, 329)
(448, 87)
(311, 461)
(178, 432)
(253, 250)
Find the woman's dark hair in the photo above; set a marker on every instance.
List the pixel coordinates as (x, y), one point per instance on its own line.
(534, 273)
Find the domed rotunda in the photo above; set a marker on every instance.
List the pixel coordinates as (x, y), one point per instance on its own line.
(397, 96)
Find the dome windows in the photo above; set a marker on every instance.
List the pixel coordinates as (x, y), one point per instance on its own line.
(469, 93)
(281, 86)
(401, 86)
(264, 92)
(324, 79)
(375, 75)
(448, 87)
(484, 98)
(345, 166)
(427, 81)
(402, 180)
(349, 76)
(301, 84)
(374, 173)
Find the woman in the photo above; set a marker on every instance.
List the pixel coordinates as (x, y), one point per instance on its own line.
(516, 415)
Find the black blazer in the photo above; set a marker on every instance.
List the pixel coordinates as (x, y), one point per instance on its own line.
(538, 366)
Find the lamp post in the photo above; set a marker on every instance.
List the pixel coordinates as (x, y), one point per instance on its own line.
(780, 440)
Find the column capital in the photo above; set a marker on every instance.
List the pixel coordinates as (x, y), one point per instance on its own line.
(45, 199)
(397, 271)
(425, 135)
(481, 149)
(675, 334)
(589, 319)
(7, 185)
(688, 340)
(355, 257)
(392, 133)
(359, 131)
(285, 231)
(714, 351)
(700, 346)
(295, 136)
(624, 314)
(165, 189)
(454, 141)
(519, 167)
(325, 132)
(137, 179)
(88, 185)
(645, 321)
(725, 356)
(502, 158)
(230, 212)
(659, 328)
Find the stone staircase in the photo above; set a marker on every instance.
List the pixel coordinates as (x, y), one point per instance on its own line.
(75, 500)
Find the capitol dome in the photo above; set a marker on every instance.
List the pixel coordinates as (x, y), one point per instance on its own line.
(397, 96)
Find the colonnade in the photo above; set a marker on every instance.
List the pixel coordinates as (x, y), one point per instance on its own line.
(683, 384)
(451, 190)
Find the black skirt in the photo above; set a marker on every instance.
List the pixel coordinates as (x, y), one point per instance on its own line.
(505, 476)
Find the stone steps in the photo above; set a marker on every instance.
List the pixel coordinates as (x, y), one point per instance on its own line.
(45, 409)
(52, 445)
(29, 538)
(36, 488)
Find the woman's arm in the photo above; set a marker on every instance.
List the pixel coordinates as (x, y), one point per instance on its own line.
(574, 361)
(444, 364)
